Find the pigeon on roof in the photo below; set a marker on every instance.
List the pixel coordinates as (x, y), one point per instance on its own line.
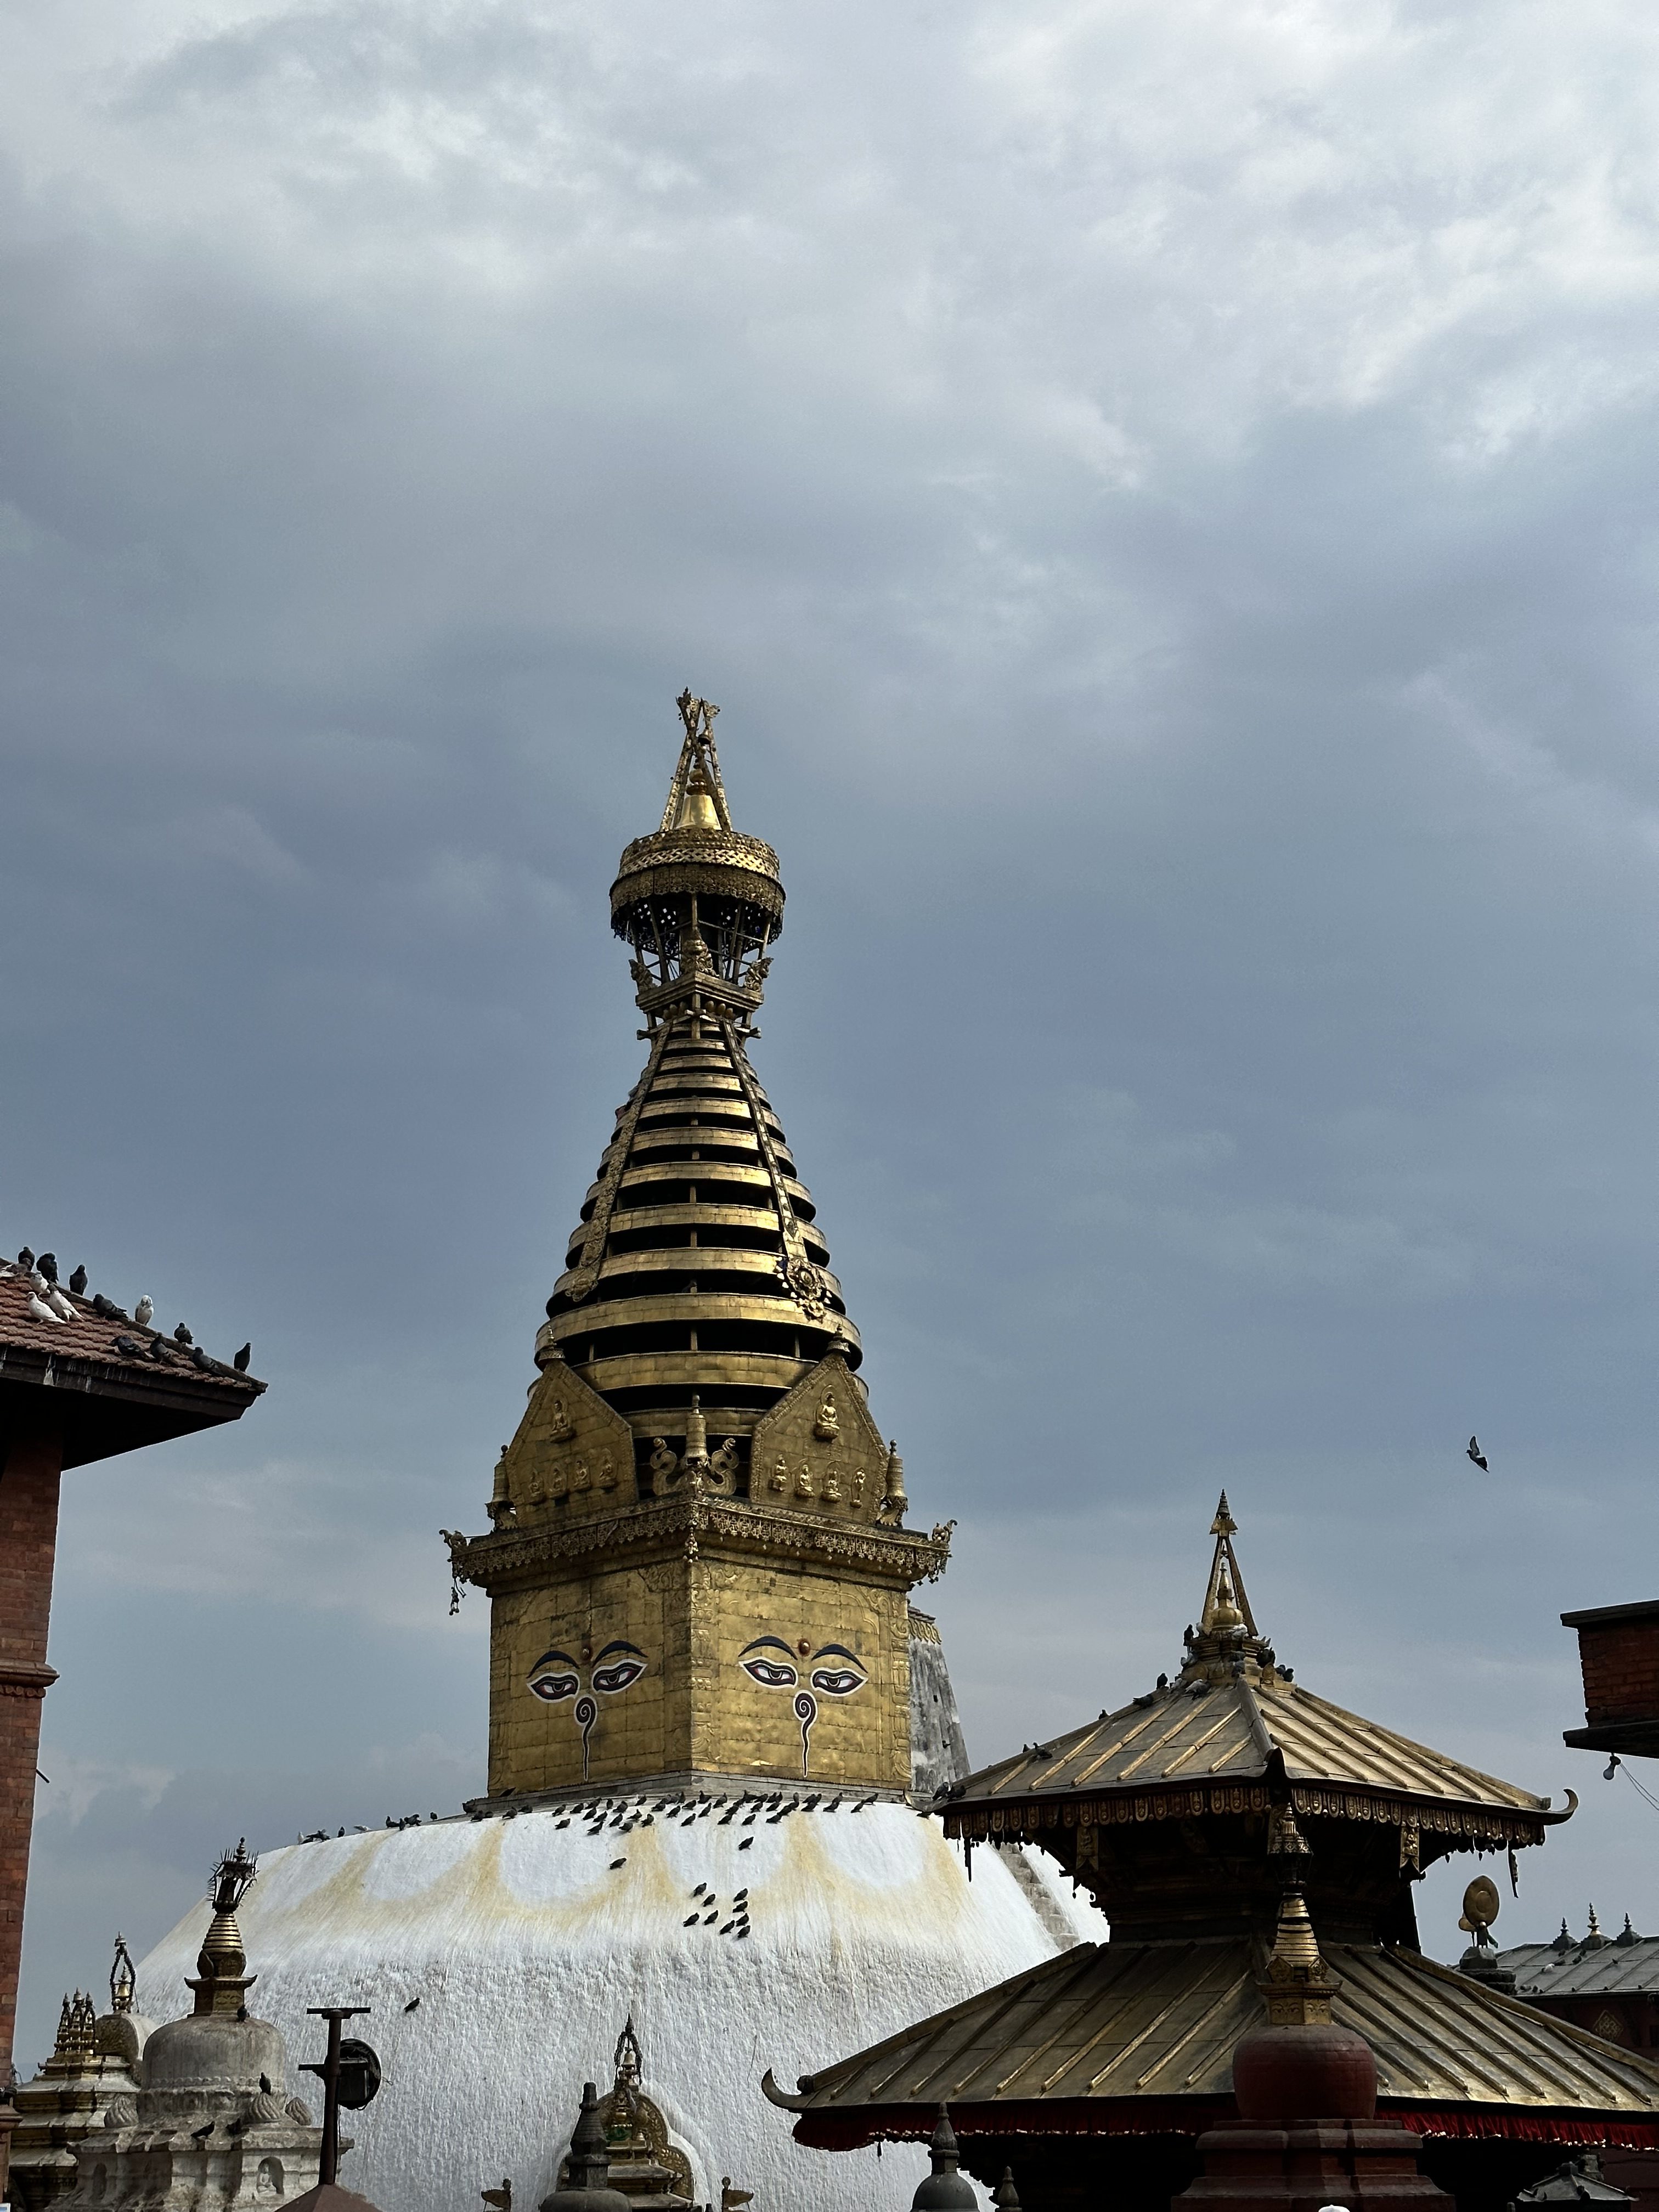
(78, 1282)
(143, 1311)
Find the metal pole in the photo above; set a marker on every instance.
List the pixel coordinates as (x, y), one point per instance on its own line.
(330, 2161)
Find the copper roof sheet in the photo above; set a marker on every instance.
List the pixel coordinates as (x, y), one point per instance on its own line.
(1161, 2021)
(1228, 1732)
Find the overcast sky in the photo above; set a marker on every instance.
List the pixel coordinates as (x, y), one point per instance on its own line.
(1163, 495)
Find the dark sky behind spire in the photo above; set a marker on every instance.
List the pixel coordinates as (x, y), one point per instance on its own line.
(1164, 499)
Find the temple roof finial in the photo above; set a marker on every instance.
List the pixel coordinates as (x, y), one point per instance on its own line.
(1227, 1607)
(696, 797)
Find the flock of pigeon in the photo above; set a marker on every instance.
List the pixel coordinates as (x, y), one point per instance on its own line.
(47, 1303)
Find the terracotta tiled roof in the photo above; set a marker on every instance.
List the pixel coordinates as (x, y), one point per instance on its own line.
(90, 1336)
(116, 1385)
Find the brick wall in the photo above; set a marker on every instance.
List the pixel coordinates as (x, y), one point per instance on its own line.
(28, 1540)
(1620, 1659)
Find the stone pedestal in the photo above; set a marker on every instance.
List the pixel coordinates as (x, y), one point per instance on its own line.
(1299, 2169)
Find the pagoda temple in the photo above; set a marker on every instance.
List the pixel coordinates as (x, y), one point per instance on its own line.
(1184, 1814)
(715, 1721)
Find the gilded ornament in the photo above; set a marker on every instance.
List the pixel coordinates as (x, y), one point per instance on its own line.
(780, 1479)
(533, 1489)
(579, 1477)
(559, 1427)
(663, 1462)
(803, 1480)
(607, 1472)
(723, 1468)
(859, 1481)
(832, 1487)
(828, 1424)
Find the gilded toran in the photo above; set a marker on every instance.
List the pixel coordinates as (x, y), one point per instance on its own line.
(698, 1562)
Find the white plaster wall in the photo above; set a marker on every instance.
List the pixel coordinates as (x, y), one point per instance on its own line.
(527, 1952)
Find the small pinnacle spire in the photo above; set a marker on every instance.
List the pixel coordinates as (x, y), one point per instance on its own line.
(696, 797)
(590, 2161)
(1224, 1524)
(1294, 1981)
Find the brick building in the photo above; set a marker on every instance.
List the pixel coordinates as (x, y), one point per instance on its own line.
(80, 1380)
(1618, 1654)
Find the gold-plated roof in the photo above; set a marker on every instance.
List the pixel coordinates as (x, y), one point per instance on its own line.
(1228, 1732)
(1235, 1719)
(1158, 2020)
(698, 1267)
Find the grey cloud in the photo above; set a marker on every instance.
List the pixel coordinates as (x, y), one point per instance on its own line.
(1164, 498)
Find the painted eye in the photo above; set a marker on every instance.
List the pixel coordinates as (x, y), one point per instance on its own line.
(836, 1681)
(555, 1689)
(617, 1676)
(771, 1673)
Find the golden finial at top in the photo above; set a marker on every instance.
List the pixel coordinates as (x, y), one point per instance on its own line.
(696, 797)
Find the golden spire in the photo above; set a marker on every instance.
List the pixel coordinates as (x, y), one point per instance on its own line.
(696, 797)
(223, 1980)
(1226, 1638)
(1295, 1980)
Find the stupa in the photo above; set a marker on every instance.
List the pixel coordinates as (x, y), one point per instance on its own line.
(1186, 1811)
(96, 2062)
(715, 1722)
(211, 2127)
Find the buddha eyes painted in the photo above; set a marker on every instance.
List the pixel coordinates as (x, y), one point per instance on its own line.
(556, 1677)
(833, 1672)
(553, 1678)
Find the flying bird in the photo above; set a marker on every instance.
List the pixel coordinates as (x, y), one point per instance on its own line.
(615, 1863)
(410, 2006)
(143, 1311)
(40, 1311)
(502, 2198)
(1477, 1454)
(78, 1282)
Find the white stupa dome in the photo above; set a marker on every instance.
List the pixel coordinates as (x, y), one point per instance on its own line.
(528, 1947)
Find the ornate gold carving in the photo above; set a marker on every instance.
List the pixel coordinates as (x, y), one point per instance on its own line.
(586, 1271)
(723, 1466)
(809, 1438)
(664, 1460)
(800, 1278)
(567, 1429)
